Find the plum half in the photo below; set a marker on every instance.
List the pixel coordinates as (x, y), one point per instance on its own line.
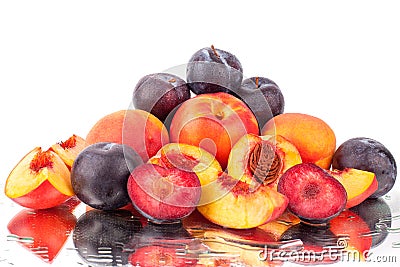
(314, 195)
(369, 155)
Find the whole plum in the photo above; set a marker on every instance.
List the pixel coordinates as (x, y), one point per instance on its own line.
(100, 173)
(369, 155)
(160, 93)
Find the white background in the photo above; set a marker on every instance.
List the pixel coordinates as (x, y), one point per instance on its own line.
(65, 64)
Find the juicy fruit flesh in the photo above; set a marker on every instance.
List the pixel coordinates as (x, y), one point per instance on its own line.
(313, 194)
(35, 168)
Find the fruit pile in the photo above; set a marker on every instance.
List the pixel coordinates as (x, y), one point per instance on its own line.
(215, 143)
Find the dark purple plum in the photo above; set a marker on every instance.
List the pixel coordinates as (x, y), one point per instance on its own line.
(369, 155)
(160, 93)
(263, 96)
(212, 70)
(100, 236)
(100, 173)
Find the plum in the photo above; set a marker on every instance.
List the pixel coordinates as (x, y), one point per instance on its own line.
(160, 94)
(100, 174)
(314, 195)
(100, 236)
(369, 155)
(212, 70)
(264, 98)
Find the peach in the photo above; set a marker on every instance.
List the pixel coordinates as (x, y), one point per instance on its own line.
(214, 122)
(359, 184)
(313, 137)
(193, 159)
(139, 129)
(68, 150)
(261, 159)
(241, 207)
(40, 180)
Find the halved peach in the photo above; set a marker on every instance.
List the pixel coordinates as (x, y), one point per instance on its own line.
(359, 184)
(238, 206)
(190, 158)
(40, 180)
(68, 150)
(261, 159)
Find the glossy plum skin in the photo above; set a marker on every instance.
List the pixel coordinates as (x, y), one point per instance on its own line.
(212, 70)
(369, 155)
(264, 98)
(100, 174)
(160, 93)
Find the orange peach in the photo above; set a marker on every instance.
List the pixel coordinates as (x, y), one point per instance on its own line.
(241, 207)
(40, 180)
(214, 122)
(261, 159)
(142, 131)
(359, 184)
(313, 137)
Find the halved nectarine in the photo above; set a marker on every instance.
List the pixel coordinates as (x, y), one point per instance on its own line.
(68, 150)
(40, 180)
(359, 184)
(241, 207)
(261, 159)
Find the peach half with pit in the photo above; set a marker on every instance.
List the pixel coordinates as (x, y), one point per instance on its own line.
(40, 180)
(239, 206)
(69, 149)
(192, 159)
(262, 159)
(214, 122)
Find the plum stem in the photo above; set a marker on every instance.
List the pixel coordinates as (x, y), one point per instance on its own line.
(257, 85)
(214, 50)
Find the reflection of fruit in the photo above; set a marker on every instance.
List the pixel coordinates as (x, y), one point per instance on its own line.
(212, 70)
(254, 159)
(359, 184)
(190, 158)
(240, 206)
(44, 231)
(369, 155)
(69, 149)
(314, 195)
(355, 229)
(316, 243)
(100, 236)
(40, 180)
(157, 256)
(314, 139)
(214, 122)
(100, 174)
(136, 128)
(163, 194)
(278, 226)
(263, 97)
(377, 214)
(160, 93)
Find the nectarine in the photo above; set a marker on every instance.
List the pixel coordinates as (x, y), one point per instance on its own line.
(313, 137)
(214, 122)
(139, 129)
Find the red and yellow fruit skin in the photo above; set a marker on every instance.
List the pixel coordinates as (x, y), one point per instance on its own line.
(359, 184)
(313, 137)
(139, 129)
(214, 122)
(41, 188)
